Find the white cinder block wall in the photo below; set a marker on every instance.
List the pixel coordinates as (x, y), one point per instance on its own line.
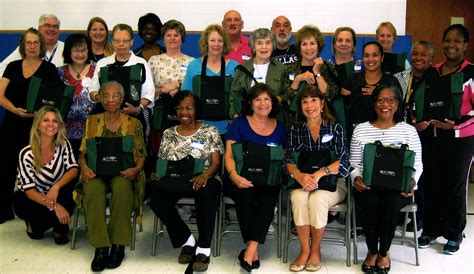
(364, 16)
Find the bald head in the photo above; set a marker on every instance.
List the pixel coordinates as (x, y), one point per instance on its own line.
(232, 23)
(281, 27)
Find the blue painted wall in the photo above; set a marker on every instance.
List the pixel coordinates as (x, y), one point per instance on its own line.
(9, 41)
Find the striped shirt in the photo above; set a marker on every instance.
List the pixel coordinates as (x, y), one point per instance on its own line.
(331, 136)
(401, 133)
(28, 178)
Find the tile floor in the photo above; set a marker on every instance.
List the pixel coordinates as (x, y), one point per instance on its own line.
(19, 254)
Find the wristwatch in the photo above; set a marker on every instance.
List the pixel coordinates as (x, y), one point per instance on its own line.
(317, 75)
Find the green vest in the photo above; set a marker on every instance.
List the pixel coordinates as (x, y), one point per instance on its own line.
(55, 94)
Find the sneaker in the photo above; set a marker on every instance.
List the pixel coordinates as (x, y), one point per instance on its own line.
(451, 247)
(424, 241)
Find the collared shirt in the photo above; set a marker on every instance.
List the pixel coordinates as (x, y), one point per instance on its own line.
(148, 88)
(242, 53)
(331, 136)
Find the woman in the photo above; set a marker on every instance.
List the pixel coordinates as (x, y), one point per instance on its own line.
(315, 133)
(255, 200)
(139, 88)
(264, 69)
(359, 87)
(311, 69)
(149, 29)
(168, 70)
(446, 131)
(422, 53)
(213, 45)
(386, 35)
(77, 72)
(379, 207)
(46, 168)
(97, 32)
(193, 139)
(344, 46)
(126, 186)
(17, 121)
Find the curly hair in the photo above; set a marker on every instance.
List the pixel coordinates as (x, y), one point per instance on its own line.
(203, 41)
(309, 31)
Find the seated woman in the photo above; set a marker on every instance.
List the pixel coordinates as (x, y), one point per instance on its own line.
(112, 124)
(381, 207)
(45, 169)
(194, 139)
(315, 134)
(255, 200)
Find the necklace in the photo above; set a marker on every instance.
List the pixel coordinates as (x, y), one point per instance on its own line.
(257, 122)
(78, 76)
(113, 125)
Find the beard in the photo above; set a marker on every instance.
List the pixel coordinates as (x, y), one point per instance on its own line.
(283, 40)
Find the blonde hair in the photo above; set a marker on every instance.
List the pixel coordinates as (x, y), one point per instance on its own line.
(203, 43)
(35, 138)
(390, 28)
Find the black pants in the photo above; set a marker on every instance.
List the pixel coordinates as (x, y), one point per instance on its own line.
(163, 200)
(40, 217)
(255, 210)
(379, 214)
(446, 175)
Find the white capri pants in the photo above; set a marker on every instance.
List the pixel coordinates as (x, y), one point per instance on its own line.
(311, 208)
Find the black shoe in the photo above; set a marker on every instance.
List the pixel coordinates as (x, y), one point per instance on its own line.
(201, 262)
(186, 254)
(100, 259)
(384, 269)
(117, 253)
(424, 241)
(244, 263)
(256, 264)
(7, 217)
(451, 247)
(33, 235)
(60, 239)
(368, 268)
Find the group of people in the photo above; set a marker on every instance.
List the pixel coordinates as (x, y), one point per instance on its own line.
(273, 110)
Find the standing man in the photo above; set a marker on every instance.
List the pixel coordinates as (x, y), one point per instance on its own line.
(285, 51)
(48, 25)
(240, 49)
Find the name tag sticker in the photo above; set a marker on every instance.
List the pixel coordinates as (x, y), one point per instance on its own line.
(184, 68)
(326, 138)
(291, 76)
(197, 144)
(271, 144)
(245, 57)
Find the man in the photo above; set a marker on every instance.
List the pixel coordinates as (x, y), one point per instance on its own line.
(48, 25)
(285, 51)
(233, 25)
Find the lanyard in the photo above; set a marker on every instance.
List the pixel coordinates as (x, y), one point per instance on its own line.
(409, 89)
(50, 59)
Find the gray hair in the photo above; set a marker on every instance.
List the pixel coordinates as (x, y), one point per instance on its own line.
(108, 84)
(425, 43)
(46, 16)
(261, 33)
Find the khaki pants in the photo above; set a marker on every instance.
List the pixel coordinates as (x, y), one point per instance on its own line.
(311, 208)
(118, 230)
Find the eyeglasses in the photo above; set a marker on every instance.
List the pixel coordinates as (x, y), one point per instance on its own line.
(186, 108)
(389, 100)
(114, 97)
(79, 51)
(32, 43)
(123, 41)
(49, 26)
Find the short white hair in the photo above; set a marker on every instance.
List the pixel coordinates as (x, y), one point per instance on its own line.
(46, 16)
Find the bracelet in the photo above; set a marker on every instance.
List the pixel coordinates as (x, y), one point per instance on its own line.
(139, 109)
(327, 170)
